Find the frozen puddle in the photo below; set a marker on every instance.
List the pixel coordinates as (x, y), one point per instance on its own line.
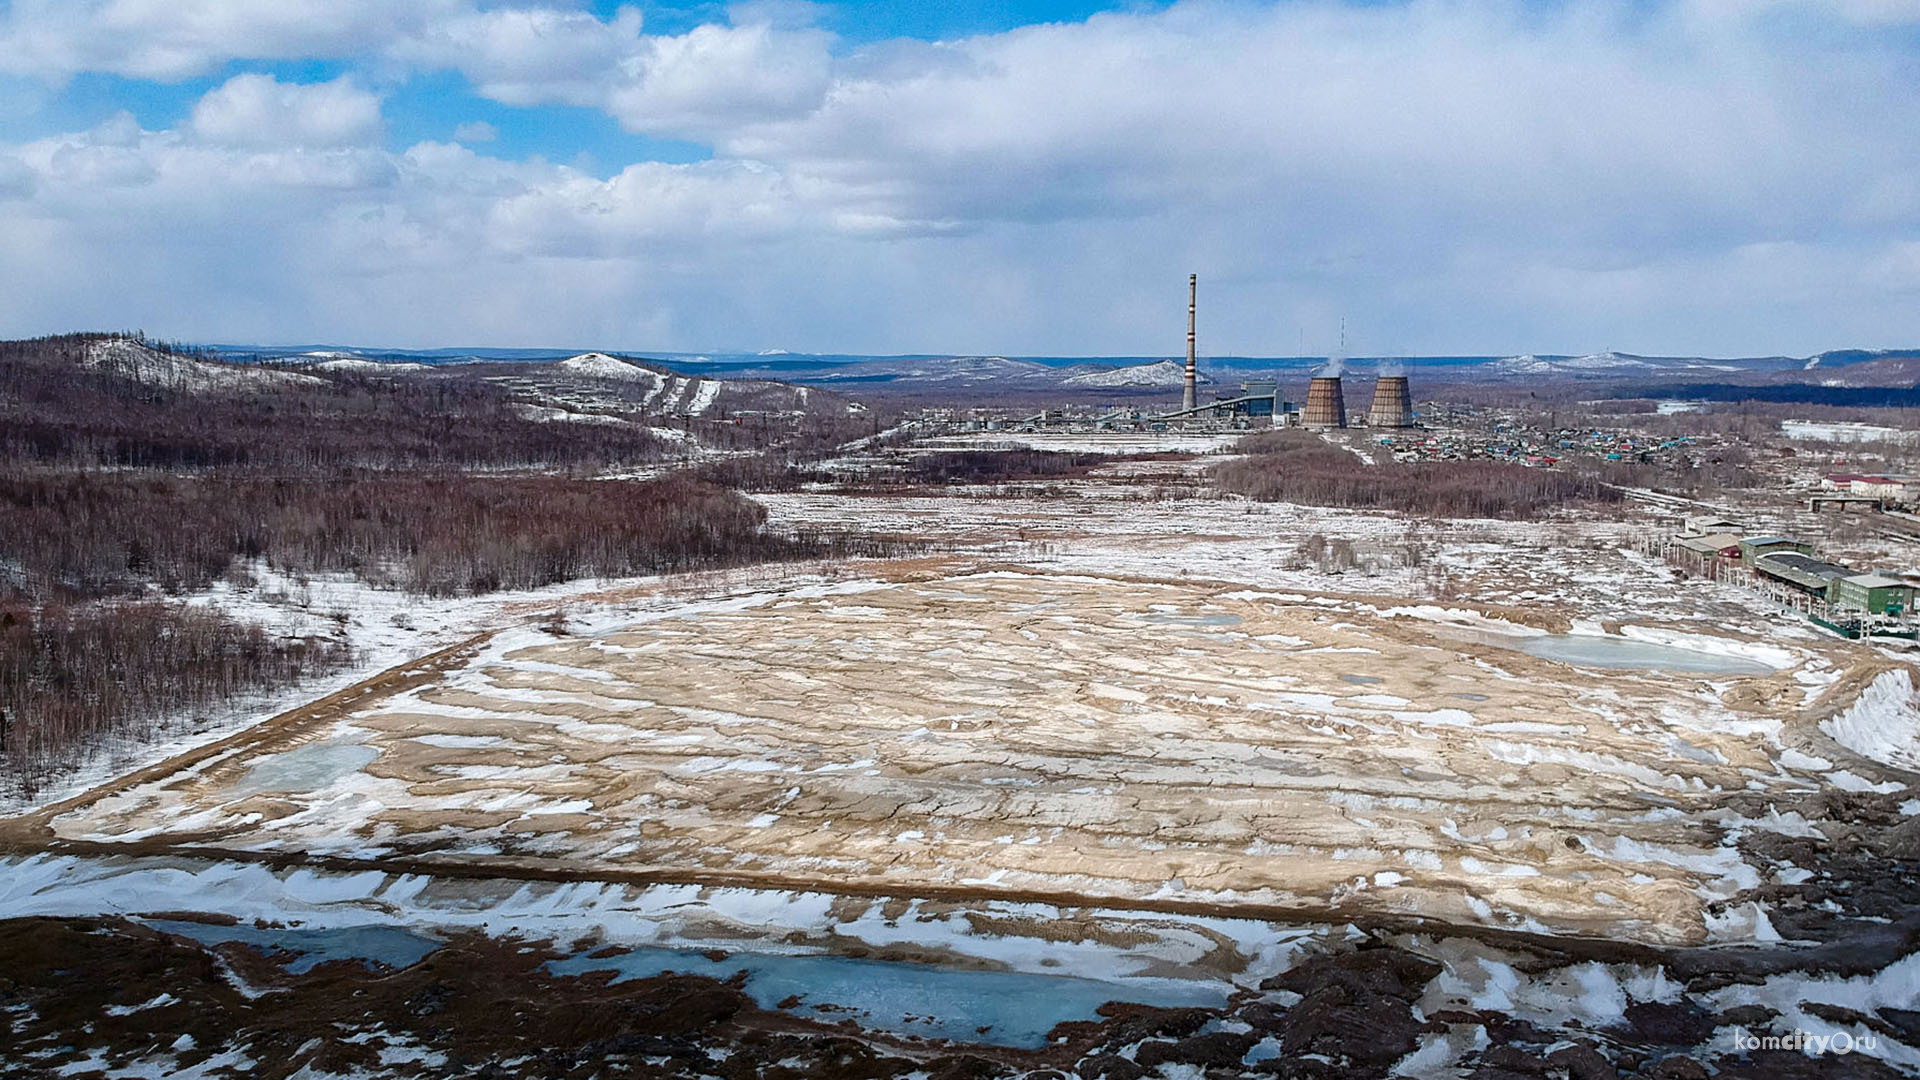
(1593, 650)
(997, 1007)
(308, 768)
(1169, 619)
(1611, 651)
(388, 946)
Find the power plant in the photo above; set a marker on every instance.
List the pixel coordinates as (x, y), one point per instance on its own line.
(1259, 402)
(1392, 403)
(1326, 404)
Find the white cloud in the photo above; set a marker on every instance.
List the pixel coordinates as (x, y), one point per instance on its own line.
(528, 56)
(175, 39)
(768, 64)
(714, 79)
(259, 110)
(476, 131)
(1447, 174)
(700, 84)
(17, 180)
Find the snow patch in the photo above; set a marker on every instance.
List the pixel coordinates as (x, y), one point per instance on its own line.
(1157, 373)
(132, 360)
(1883, 723)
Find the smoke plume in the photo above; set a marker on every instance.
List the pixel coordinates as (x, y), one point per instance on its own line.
(1335, 367)
(1392, 367)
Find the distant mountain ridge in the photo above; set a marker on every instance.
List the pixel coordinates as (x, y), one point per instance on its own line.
(935, 374)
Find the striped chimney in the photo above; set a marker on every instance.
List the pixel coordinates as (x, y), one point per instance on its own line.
(1193, 294)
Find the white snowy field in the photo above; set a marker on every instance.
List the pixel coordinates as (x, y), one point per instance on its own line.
(1841, 431)
(385, 627)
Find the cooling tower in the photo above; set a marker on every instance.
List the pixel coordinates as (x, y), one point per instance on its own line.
(1392, 403)
(1326, 406)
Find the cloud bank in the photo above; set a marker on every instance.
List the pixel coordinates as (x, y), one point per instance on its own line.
(1713, 176)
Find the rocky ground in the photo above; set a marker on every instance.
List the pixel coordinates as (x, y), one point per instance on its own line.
(97, 998)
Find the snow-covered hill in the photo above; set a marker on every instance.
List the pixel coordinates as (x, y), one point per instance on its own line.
(1594, 363)
(367, 367)
(1159, 373)
(948, 371)
(596, 365)
(606, 383)
(130, 359)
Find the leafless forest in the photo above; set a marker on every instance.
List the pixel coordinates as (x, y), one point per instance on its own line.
(117, 496)
(73, 537)
(73, 676)
(1295, 466)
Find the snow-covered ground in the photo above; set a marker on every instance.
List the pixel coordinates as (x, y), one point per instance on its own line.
(1842, 431)
(132, 360)
(1883, 723)
(385, 627)
(1049, 731)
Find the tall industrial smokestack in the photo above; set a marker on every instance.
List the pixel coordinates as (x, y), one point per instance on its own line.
(1193, 294)
(1392, 403)
(1326, 405)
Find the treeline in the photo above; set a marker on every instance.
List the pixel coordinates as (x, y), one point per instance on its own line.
(67, 537)
(72, 678)
(758, 472)
(1296, 467)
(782, 472)
(999, 466)
(1899, 397)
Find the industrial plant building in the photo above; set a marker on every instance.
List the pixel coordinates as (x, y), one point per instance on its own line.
(1786, 570)
(1874, 594)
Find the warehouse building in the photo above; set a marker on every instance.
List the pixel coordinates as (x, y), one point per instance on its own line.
(1708, 524)
(1875, 594)
(1704, 555)
(1754, 547)
(1803, 573)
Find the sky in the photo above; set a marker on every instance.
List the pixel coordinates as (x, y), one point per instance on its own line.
(1022, 177)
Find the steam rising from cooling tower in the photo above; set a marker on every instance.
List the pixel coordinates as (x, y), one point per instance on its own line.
(1336, 364)
(1326, 405)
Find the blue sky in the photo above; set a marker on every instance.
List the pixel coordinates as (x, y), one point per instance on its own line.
(432, 105)
(1446, 176)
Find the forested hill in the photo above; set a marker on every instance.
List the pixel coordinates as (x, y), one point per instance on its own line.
(117, 401)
